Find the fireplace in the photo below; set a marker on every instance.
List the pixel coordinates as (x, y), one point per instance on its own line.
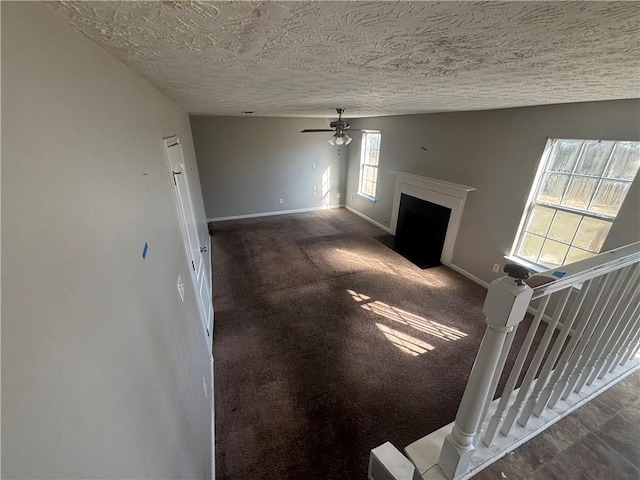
(426, 215)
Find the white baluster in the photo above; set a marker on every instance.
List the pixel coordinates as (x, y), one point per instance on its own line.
(605, 329)
(537, 359)
(579, 358)
(632, 348)
(494, 383)
(623, 321)
(541, 395)
(505, 306)
(634, 352)
(497, 418)
(564, 370)
(634, 327)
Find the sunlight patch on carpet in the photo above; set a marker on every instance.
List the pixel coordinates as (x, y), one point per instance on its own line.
(404, 342)
(363, 261)
(398, 315)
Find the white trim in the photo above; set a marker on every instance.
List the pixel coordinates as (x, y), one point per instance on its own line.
(278, 212)
(363, 163)
(524, 263)
(213, 421)
(546, 152)
(367, 197)
(447, 194)
(171, 141)
(368, 219)
(469, 275)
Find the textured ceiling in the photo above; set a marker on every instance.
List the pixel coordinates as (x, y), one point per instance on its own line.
(373, 58)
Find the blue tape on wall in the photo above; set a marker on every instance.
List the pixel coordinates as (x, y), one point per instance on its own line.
(559, 274)
(144, 250)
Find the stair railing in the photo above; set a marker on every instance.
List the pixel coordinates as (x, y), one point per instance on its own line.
(590, 334)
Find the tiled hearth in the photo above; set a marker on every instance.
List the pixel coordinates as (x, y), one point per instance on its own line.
(599, 441)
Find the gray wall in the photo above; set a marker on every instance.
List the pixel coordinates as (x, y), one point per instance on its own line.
(102, 365)
(247, 164)
(497, 152)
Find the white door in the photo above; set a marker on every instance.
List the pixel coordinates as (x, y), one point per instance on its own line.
(197, 250)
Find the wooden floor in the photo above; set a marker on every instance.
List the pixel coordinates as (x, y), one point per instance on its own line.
(599, 441)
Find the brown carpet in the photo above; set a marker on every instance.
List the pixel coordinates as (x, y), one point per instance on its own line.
(328, 344)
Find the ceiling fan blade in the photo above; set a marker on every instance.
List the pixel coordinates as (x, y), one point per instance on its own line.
(310, 130)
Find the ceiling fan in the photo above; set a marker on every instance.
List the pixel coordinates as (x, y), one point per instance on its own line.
(339, 127)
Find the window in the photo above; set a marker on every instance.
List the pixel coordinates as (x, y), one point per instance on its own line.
(369, 157)
(578, 190)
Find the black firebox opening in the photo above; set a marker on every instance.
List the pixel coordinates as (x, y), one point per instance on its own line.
(420, 232)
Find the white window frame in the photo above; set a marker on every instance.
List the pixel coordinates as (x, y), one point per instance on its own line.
(364, 163)
(532, 202)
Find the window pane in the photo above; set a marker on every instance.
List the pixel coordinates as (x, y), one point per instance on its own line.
(369, 188)
(625, 161)
(594, 157)
(580, 192)
(576, 254)
(373, 141)
(372, 157)
(564, 156)
(530, 247)
(553, 253)
(369, 173)
(564, 226)
(553, 186)
(591, 234)
(609, 197)
(539, 220)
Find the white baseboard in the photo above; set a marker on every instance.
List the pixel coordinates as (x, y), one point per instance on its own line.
(278, 212)
(368, 219)
(470, 276)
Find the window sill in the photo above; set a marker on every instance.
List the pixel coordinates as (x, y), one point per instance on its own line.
(523, 263)
(371, 199)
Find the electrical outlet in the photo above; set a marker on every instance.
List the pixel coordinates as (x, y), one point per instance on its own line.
(282, 200)
(496, 268)
(338, 195)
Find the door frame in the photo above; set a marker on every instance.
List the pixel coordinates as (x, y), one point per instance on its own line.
(206, 320)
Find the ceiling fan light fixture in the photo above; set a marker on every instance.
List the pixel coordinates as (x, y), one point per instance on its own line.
(331, 141)
(347, 139)
(339, 140)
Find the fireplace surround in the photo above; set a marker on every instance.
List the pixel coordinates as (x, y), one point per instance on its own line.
(449, 195)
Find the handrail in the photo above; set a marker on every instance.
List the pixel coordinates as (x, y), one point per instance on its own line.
(606, 333)
(580, 352)
(582, 270)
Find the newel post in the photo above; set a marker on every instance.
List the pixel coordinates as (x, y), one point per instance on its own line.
(505, 306)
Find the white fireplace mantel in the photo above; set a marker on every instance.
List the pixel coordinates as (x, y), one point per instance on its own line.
(440, 192)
